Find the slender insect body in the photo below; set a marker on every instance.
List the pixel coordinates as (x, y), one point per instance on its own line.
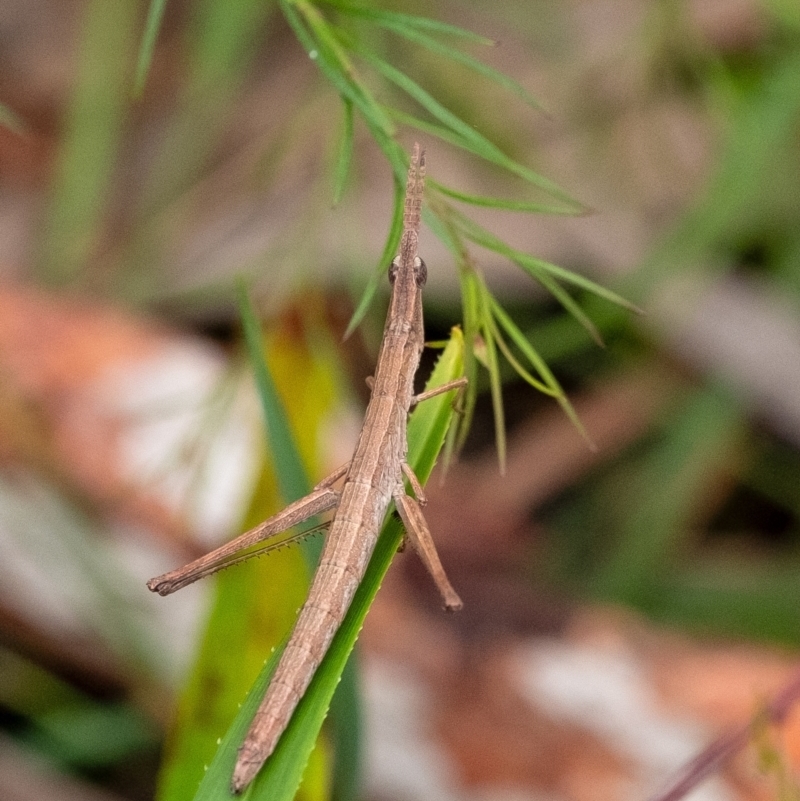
(373, 479)
(365, 498)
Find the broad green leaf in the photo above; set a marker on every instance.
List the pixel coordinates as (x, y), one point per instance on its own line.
(438, 220)
(294, 483)
(470, 301)
(153, 24)
(279, 778)
(346, 727)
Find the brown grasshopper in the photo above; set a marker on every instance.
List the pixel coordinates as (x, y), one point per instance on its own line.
(372, 480)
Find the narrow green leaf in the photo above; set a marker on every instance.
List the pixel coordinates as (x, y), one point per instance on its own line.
(345, 723)
(540, 365)
(279, 778)
(517, 367)
(472, 290)
(389, 251)
(569, 304)
(454, 138)
(470, 138)
(292, 478)
(480, 236)
(387, 18)
(11, 120)
(85, 175)
(500, 203)
(255, 604)
(153, 24)
(470, 306)
(448, 135)
(294, 483)
(534, 265)
(345, 151)
(495, 382)
(524, 345)
(323, 48)
(435, 46)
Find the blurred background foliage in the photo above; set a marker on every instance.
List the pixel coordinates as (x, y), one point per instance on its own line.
(149, 158)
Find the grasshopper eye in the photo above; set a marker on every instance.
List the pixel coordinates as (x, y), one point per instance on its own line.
(393, 268)
(420, 271)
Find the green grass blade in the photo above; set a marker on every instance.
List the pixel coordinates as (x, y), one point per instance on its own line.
(345, 152)
(480, 236)
(152, 26)
(493, 366)
(279, 778)
(569, 304)
(346, 726)
(294, 482)
(500, 203)
(317, 37)
(434, 45)
(387, 18)
(85, 176)
(540, 365)
(292, 479)
(516, 366)
(255, 604)
(389, 251)
(470, 138)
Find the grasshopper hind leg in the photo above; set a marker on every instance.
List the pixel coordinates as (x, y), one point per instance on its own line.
(419, 535)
